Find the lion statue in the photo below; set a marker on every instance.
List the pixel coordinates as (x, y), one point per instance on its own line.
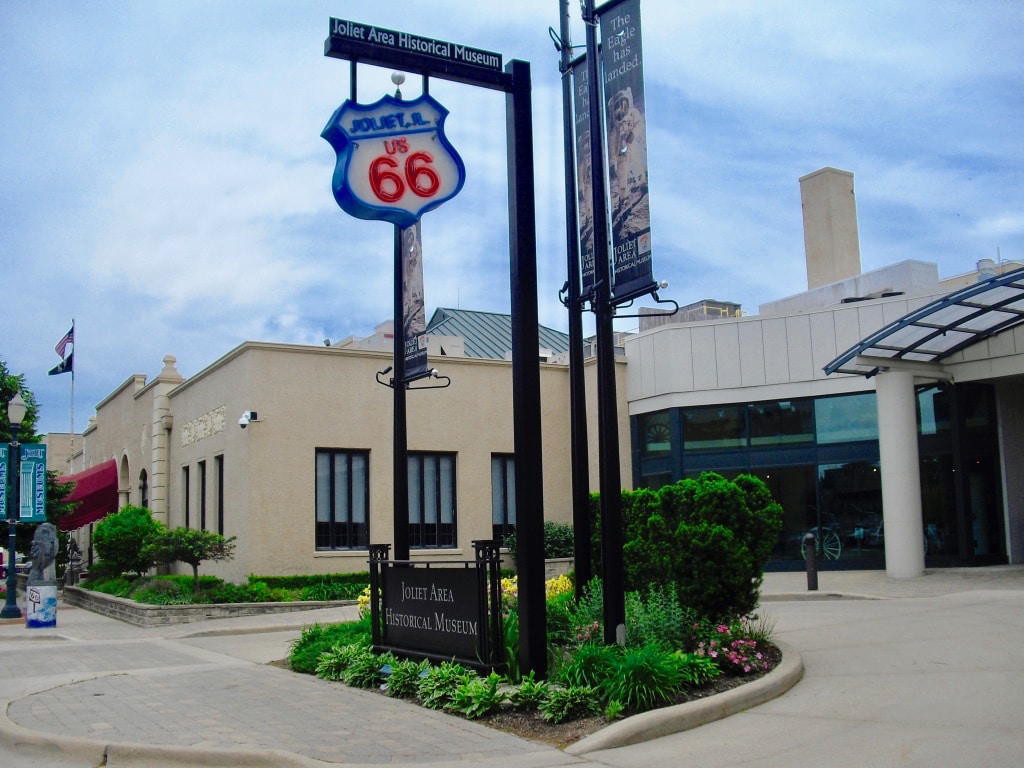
(43, 553)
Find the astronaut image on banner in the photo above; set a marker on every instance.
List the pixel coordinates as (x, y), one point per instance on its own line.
(627, 164)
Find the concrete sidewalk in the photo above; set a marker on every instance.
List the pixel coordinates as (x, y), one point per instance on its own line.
(96, 691)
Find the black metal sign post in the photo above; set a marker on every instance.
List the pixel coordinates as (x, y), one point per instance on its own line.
(363, 43)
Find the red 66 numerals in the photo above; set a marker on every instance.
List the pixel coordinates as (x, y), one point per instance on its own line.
(417, 175)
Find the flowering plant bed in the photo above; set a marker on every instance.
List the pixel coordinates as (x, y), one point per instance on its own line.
(671, 657)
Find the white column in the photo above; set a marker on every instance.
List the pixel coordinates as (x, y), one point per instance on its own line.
(901, 474)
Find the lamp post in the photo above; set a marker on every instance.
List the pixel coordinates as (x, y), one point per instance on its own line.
(16, 410)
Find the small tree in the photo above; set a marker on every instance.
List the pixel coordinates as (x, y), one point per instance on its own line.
(188, 545)
(121, 538)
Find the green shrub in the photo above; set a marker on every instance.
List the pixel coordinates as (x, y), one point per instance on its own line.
(588, 615)
(188, 545)
(558, 541)
(561, 612)
(101, 570)
(366, 670)
(708, 536)
(354, 583)
(120, 540)
(570, 703)
(331, 590)
(657, 618)
(588, 666)
(228, 593)
(529, 693)
(643, 678)
(437, 688)
(405, 676)
(335, 661)
(315, 640)
(118, 586)
(696, 670)
(477, 696)
(158, 591)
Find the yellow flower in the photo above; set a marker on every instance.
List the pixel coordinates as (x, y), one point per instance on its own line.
(363, 602)
(558, 586)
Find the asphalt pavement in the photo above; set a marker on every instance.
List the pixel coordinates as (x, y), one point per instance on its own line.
(876, 672)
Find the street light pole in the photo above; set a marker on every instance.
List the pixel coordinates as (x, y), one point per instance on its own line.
(16, 410)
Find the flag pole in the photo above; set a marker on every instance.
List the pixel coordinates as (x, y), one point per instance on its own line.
(71, 455)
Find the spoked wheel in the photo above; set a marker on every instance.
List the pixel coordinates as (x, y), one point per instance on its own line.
(829, 546)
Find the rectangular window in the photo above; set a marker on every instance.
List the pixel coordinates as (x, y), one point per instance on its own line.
(781, 422)
(186, 494)
(202, 495)
(717, 428)
(218, 463)
(656, 432)
(431, 500)
(503, 496)
(342, 499)
(846, 418)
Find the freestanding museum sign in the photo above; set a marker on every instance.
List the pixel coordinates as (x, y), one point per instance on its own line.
(449, 612)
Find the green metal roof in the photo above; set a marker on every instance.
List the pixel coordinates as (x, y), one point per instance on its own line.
(488, 335)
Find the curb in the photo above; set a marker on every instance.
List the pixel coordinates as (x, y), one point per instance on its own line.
(682, 717)
(809, 596)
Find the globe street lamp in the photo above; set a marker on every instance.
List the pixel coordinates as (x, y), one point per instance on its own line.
(16, 410)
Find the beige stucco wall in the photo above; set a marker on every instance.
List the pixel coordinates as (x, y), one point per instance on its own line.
(310, 397)
(307, 398)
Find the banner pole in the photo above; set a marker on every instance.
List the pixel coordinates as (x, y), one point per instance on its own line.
(577, 388)
(608, 427)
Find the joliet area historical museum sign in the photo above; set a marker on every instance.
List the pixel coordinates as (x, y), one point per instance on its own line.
(444, 611)
(432, 610)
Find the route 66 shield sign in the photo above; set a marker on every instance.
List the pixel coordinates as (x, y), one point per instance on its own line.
(394, 162)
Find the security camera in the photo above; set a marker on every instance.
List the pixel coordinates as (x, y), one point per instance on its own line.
(246, 418)
(243, 422)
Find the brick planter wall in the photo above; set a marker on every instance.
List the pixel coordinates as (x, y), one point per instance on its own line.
(142, 615)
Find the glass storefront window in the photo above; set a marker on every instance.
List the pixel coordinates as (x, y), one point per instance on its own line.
(933, 411)
(977, 403)
(781, 422)
(656, 434)
(795, 489)
(850, 512)
(846, 418)
(714, 429)
(938, 509)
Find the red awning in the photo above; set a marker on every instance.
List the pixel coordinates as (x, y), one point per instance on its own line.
(96, 494)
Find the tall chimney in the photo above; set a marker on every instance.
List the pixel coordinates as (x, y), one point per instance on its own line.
(831, 243)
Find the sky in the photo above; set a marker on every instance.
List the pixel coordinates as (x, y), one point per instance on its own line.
(164, 185)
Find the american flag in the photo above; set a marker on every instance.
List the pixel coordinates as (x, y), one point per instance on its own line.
(62, 345)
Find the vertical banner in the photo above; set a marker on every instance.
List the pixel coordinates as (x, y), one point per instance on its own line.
(584, 178)
(32, 488)
(626, 142)
(414, 317)
(33, 484)
(3, 477)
